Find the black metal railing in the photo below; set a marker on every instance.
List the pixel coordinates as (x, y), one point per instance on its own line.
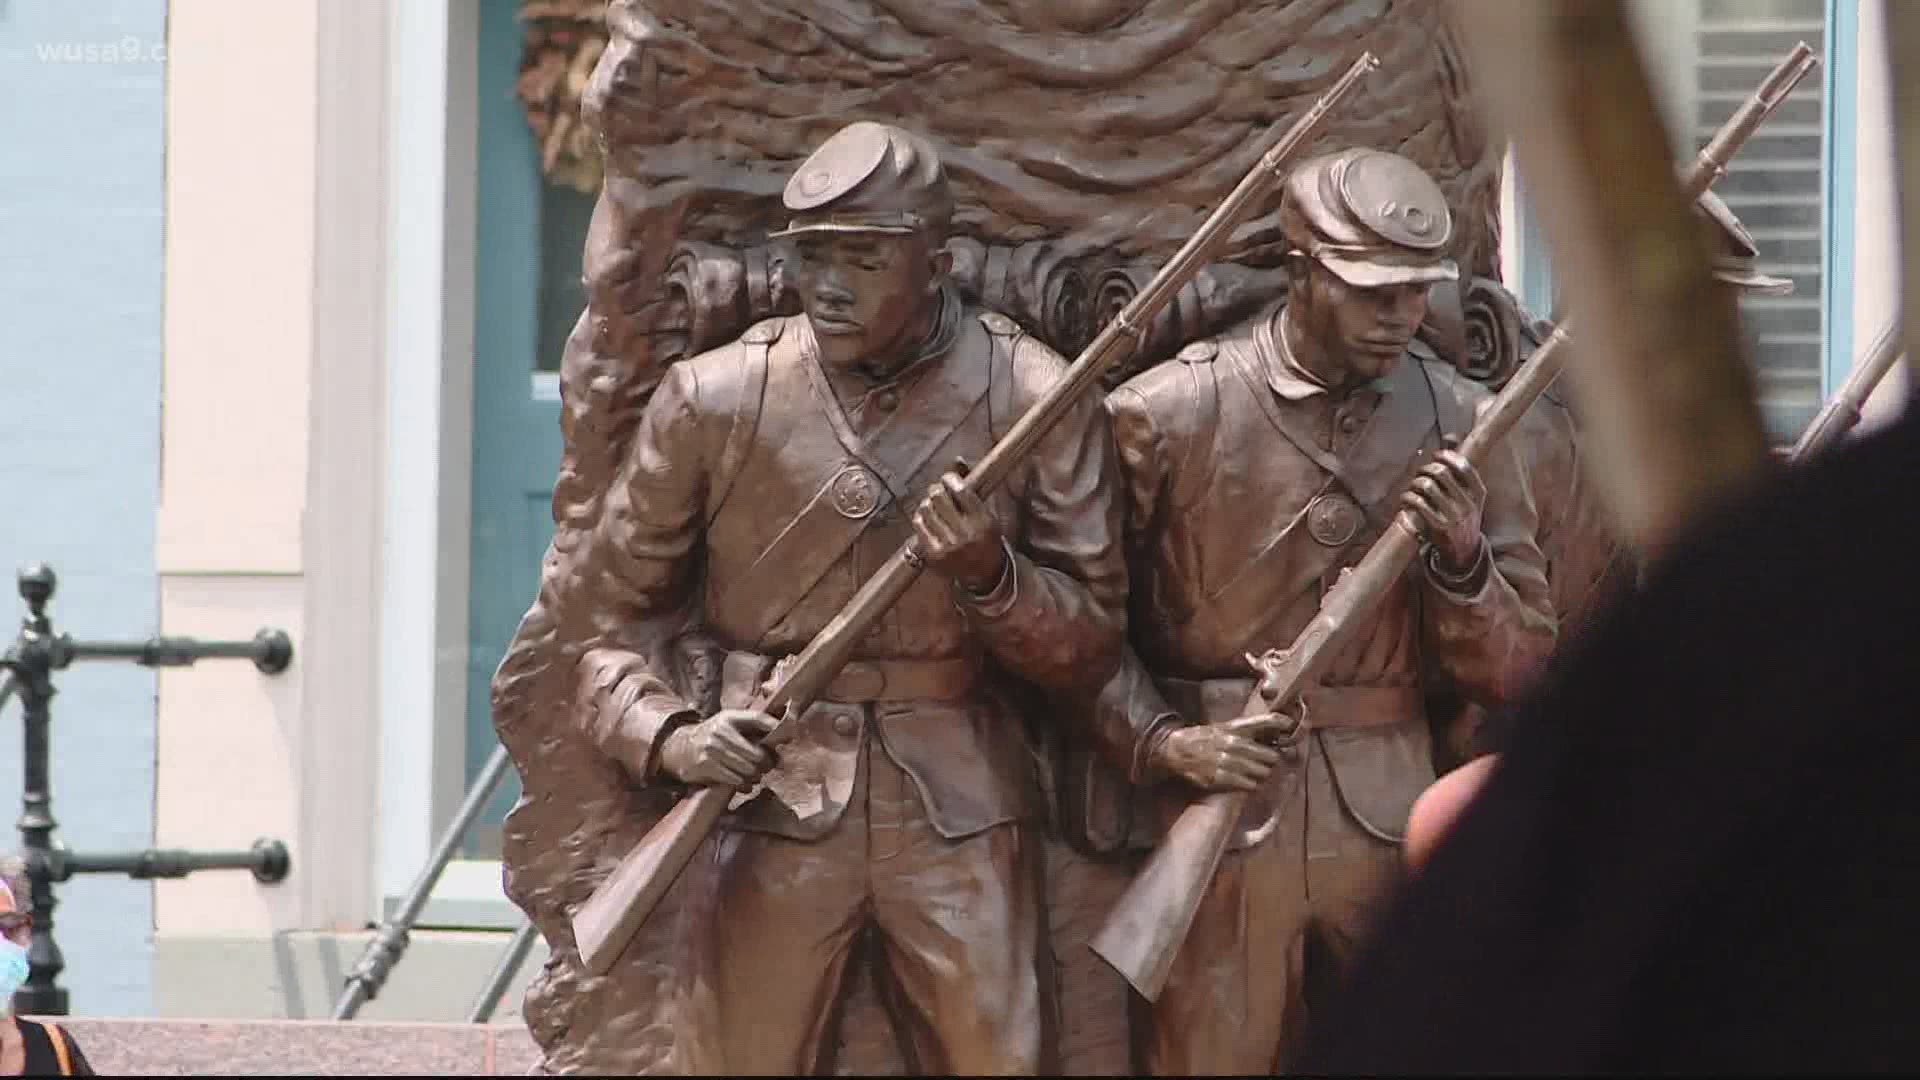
(511, 959)
(390, 940)
(26, 671)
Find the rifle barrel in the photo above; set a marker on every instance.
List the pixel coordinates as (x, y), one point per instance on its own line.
(1841, 412)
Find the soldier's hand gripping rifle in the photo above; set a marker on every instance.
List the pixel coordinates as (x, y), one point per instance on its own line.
(607, 922)
(1146, 928)
(1842, 411)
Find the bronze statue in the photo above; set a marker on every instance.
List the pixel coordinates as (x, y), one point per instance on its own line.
(767, 480)
(1584, 558)
(1257, 469)
(1082, 142)
(1587, 561)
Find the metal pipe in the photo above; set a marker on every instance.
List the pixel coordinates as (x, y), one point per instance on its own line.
(391, 939)
(503, 973)
(269, 861)
(270, 650)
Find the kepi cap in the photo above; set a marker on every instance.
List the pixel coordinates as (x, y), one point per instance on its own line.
(869, 177)
(1734, 252)
(1372, 217)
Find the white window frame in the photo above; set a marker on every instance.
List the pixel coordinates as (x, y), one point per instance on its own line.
(429, 463)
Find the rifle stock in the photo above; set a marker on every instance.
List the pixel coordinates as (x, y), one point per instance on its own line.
(1145, 929)
(605, 925)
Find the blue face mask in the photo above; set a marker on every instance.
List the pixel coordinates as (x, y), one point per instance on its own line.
(13, 972)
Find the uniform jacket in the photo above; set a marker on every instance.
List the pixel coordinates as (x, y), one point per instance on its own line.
(1585, 559)
(1223, 455)
(755, 499)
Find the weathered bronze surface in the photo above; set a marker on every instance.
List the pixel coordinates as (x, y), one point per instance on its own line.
(1084, 142)
(606, 923)
(1225, 457)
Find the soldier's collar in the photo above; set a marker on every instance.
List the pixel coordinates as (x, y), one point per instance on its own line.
(1288, 377)
(939, 341)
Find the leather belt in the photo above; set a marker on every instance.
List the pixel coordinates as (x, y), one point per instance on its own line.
(862, 681)
(1211, 701)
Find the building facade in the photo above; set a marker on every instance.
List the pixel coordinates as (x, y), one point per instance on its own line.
(294, 292)
(82, 159)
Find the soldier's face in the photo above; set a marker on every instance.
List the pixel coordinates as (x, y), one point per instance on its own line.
(1362, 331)
(864, 292)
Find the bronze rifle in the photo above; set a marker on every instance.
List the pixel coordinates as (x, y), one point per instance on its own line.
(605, 925)
(1147, 926)
(1842, 411)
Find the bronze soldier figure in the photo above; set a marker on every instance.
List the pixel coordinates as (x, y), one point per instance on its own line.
(1258, 467)
(1584, 559)
(1587, 562)
(767, 479)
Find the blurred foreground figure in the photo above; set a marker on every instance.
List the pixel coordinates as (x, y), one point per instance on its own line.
(1698, 847)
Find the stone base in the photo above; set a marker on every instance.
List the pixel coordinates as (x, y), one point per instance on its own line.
(299, 975)
(118, 1047)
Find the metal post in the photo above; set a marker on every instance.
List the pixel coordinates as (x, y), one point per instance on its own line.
(503, 973)
(33, 659)
(27, 668)
(370, 974)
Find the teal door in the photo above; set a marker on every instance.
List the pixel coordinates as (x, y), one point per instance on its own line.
(527, 295)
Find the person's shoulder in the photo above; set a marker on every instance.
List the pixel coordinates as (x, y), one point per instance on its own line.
(998, 323)
(54, 1047)
(716, 380)
(1032, 357)
(1447, 380)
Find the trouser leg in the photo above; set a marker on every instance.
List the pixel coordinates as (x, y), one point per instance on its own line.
(961, 936)
(767, 936)
(1349, 875)
(1231, 996)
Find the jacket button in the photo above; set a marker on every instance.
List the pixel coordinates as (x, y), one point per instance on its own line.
(845, 724)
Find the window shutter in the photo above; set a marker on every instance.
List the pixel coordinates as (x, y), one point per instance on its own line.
(1774, 185)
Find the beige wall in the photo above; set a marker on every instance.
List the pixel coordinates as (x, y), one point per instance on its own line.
(271, 429)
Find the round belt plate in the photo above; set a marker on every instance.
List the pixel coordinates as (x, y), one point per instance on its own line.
(1334, 520)
(855, 493)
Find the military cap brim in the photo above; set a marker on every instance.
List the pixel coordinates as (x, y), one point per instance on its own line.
(1753, 281)
(868, 178)
(1364, 273)
(902, 227)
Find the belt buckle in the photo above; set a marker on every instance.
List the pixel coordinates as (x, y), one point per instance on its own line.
(858, 682)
